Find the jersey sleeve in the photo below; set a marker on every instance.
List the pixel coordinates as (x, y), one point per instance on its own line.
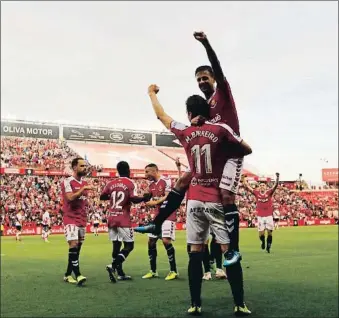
(106, 190)
(133, 190)
(168, 185)
(229, 134)
(66, 186)
(178, 129)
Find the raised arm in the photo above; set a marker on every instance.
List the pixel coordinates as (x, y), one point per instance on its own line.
(246, 185)
(178, 164)
(158, 109)
(276, 182)
(217, 70)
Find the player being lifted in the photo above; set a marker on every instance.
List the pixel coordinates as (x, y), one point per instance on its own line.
(75, 206)
(206, 148)
(18, 225)
(46, 226)
(122, 193)
(263, 197)
(213, 84)
(158, 190)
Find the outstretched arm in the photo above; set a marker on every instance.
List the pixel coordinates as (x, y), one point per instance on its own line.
(158, 109)
(218, 73)
(276, 182)
(246, 185)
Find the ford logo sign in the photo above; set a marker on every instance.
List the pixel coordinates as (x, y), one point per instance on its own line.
(138, 136)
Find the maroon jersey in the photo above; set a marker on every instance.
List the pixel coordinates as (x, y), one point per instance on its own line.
(158, 189)
(206, 148)
(222, 107)
(264, 203)
(74, 212)
(120, 191)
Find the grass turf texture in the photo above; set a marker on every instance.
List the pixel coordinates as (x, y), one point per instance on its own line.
(298, 279)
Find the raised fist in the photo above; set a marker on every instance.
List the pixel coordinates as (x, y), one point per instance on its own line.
(153, 89)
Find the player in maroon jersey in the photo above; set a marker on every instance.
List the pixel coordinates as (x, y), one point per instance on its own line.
(264, 200)
(159, 189)
(74, 192)
(206, 148)
(213, 84)
(122, 193)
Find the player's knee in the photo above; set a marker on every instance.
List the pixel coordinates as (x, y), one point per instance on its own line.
(166, 241)
(152, 243)
(73, 244)
(196, 248)
(227, 197)
(224, 248)
(129, 246)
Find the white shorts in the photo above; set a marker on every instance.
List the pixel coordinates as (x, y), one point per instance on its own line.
(231, 175)
(265, 223)
(167, 230)
(121, 234)
(203, 217)
(74, 233)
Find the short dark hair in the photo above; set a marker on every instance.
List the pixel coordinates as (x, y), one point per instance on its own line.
(75, 162)
(204, 68)
(152, 165)
(198, 105)
(123, 169)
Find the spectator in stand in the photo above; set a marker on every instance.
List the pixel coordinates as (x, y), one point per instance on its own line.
(36, 194)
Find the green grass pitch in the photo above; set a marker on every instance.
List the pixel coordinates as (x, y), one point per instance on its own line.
(298, 279)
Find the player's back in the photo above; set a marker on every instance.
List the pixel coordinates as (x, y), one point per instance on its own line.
(120, 191)
(206, 148)
(222, 107)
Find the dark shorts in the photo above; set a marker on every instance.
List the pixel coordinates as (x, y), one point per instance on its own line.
(18, 227)
(46, 228)
(96, 224)
(276, 220)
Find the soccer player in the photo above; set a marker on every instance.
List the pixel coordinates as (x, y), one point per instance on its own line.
(74, 192)
(159, 189)
(263, 197)
(46, 226)
(121, 192)
(213, 84)
(96, 221)
(276, 216)
(18, 225)
(206, 148)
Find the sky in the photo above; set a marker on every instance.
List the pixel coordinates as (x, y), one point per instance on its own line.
(92, 62)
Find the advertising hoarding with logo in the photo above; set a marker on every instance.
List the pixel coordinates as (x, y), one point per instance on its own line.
(18, 129)
(110, 136)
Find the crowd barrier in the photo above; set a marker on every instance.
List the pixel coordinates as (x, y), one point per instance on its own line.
(59, 229)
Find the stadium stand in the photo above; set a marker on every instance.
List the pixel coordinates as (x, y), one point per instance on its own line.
(30, 191)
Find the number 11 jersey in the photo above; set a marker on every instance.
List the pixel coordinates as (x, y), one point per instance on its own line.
(120, 192)
(207, 149)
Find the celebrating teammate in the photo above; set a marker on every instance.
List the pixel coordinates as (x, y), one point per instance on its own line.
(74, 191)
(46, 226)
(206, 148)
(213, 84)
(263, 197)
(122, 193)
(159, 189)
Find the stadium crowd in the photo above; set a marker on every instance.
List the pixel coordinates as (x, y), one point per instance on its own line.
(35, 194)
